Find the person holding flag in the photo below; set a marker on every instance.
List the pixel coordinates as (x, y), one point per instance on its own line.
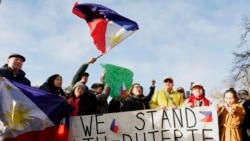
(30, 114)
(81, 74)
(12, 70)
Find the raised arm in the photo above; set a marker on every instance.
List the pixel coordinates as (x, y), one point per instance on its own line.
(78, 75)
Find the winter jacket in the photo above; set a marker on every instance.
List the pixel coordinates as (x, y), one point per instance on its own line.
(230, 123)
(87, 104)
(5, 71)
(52, 89)
(246, 122)
(133, 103)
(164, 98)
(114, 105)
(102, 103)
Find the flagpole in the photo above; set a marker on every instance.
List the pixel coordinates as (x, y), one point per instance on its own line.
(99, 56)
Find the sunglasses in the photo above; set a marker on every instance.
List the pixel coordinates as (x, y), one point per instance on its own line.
(168, 80)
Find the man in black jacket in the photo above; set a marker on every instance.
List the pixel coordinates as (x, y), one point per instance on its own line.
(12, 70)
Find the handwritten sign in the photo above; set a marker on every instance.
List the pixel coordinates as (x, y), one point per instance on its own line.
(116, 76)
(184, 124)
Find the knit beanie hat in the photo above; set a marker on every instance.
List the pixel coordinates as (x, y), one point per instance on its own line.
(78, 84)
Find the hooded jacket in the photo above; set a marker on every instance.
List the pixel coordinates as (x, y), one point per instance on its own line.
(49, 86)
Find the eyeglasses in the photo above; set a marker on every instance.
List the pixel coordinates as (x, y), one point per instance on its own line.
(168, 80)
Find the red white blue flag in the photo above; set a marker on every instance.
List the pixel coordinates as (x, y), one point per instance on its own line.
(122, 90)
(107, 27)
(29, 114)
(207, 116)
(114, 127)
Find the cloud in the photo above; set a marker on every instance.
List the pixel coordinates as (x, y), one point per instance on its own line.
(191, 41)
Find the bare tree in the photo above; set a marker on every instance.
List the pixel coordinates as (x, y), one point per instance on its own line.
(217, 93)
(241, 64)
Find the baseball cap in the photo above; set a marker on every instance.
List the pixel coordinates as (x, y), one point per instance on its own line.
(168, 78)
(17, 55)
(196, 84)
(180, 89)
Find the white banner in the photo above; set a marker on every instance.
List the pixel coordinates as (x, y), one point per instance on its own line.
(184, 124)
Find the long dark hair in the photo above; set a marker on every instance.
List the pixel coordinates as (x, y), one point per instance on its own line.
(51, 80)
(50, 87)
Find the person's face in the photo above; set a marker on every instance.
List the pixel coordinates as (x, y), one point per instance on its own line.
(182, 93)
(58, 81)
(99, 90)
(197, 91)
(168, 84)
(84, 79)
(15, 63)
(78, 91)
(137, 90)
(243, 96)
(229, 98)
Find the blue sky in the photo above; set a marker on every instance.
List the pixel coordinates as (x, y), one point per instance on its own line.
(186, 39)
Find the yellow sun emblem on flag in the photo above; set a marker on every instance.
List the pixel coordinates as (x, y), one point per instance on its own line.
(17, 116)
(115, 39)
(8, 87)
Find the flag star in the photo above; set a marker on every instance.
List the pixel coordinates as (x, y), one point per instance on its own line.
(8, 87)
(45, 123)
(17, 116)
(116, 39)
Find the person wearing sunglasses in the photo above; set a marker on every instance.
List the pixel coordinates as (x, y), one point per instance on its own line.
(167, 97)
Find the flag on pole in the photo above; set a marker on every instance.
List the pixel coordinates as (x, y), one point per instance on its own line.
(122, 89)
(29, 114)
(107, 27)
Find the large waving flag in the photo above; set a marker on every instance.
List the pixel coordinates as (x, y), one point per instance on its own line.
(29, 114)
(118, 78)
(107, 27)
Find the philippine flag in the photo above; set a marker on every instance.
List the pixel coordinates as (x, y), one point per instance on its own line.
(29, 114)
(114, 127)
(208, 116)
(107, 27)
(122, 90)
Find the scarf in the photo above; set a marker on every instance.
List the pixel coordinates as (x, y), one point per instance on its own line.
(192, 98)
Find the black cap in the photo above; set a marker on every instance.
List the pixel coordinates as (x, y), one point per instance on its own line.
(85, 74)
(17, 55)
(97, 85)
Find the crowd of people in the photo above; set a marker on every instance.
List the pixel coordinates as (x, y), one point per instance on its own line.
(233, 113)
